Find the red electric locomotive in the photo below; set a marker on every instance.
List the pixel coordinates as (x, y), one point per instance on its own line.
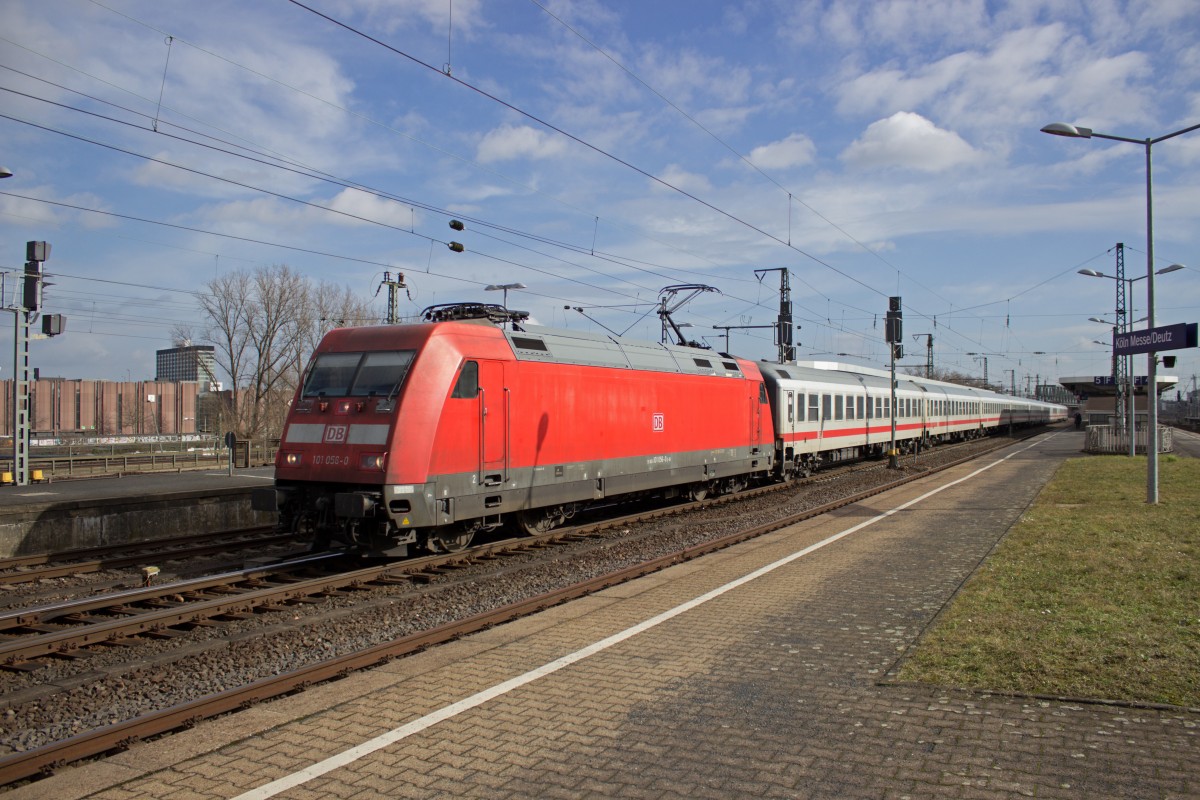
(422, 435)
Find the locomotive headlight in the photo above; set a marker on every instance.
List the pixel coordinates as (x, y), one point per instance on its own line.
(291, 459)
(372, 461)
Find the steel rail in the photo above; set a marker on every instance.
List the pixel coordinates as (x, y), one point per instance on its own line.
(94, 559)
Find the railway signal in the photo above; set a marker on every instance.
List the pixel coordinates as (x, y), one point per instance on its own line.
(894, 334)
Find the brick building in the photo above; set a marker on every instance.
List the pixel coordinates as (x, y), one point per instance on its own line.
(63, 407)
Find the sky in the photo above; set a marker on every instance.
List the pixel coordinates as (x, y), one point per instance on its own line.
(598, 151)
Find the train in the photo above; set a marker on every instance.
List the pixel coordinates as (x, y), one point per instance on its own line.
(417, 437)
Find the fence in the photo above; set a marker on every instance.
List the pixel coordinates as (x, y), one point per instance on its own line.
(1114, 440)
(59, 462)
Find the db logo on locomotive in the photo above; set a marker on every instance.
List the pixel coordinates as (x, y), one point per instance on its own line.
(335, 434)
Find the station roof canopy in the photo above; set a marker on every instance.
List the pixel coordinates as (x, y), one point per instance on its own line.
(1103, 384)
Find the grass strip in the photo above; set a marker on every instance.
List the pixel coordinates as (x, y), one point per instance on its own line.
(1092, 594)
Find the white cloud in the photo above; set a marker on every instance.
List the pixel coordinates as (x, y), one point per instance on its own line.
(371, 207)
(680, 178)
(395, 15)
(909, 141)
(794, 151)
(510, 142)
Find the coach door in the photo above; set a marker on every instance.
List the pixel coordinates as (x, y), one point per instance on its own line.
(493, 424)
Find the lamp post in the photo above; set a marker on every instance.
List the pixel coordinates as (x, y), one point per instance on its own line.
(503, 287)
(1079, 132)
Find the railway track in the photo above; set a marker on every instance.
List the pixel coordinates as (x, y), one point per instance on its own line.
(34, 567)
(84, 745)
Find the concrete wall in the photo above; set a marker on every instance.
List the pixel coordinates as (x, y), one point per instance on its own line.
(53, 527)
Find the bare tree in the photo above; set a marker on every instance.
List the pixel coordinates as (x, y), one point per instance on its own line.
(264, 326)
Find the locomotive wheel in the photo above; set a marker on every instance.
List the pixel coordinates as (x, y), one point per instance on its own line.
(535, 521)
(454, 540)
(698, 492)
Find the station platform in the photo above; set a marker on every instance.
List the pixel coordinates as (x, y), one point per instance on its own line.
(765, 670)
(71, 514)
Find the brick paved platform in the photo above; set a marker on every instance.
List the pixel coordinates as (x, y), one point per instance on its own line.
(765, 684)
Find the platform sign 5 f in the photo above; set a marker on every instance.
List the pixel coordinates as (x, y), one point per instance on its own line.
(335, 434)
(658, 423)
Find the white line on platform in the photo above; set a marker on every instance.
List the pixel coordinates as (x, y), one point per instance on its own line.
(347, 757)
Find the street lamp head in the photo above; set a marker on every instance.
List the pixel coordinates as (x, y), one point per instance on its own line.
(1172, 268)
(1101, 321)
(1066, 129)
(503, 287)
(1091, 273)
(5, 172)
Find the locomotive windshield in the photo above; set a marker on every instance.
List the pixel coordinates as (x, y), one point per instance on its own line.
(357, 374)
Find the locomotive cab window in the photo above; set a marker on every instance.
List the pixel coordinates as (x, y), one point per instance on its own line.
(762, 393)
(357, 374)
(331, 374)
(381, 373)
(467, 385)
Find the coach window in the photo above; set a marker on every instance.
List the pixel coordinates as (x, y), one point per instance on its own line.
(468, 381)
(858, 405)
(791, 417)
(826, 406)
(837, 406)
(814, 408)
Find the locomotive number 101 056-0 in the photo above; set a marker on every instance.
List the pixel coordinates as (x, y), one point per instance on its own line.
(332, 461)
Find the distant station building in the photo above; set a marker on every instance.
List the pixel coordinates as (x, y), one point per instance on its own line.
(1098, 396)
(192, 362)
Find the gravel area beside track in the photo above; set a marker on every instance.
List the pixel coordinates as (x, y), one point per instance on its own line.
(118, 683)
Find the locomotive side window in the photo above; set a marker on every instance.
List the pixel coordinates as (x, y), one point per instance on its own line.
(381, 373)
(331, 374)
(762, 393)
(467, 386)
